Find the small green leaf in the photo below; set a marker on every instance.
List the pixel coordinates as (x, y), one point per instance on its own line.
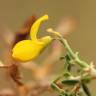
(67, 74)
(86, 90)
(70, 81)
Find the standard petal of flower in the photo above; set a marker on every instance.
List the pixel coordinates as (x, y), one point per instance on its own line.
(35, 27)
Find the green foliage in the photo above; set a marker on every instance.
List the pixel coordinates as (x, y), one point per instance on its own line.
(70, 85)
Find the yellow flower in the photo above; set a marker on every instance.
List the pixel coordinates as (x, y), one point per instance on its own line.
(26, 50)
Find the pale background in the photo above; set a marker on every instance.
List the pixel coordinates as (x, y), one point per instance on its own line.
(14, 12)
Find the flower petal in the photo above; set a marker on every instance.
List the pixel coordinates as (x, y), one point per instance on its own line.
(35, 27)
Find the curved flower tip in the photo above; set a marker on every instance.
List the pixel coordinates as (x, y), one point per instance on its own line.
(35, 27)
(26, 50)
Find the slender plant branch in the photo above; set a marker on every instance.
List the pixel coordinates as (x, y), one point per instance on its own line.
(73, 58)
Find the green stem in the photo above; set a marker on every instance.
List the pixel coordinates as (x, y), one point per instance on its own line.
(65, 43)
(55, 86)
(72, 54)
